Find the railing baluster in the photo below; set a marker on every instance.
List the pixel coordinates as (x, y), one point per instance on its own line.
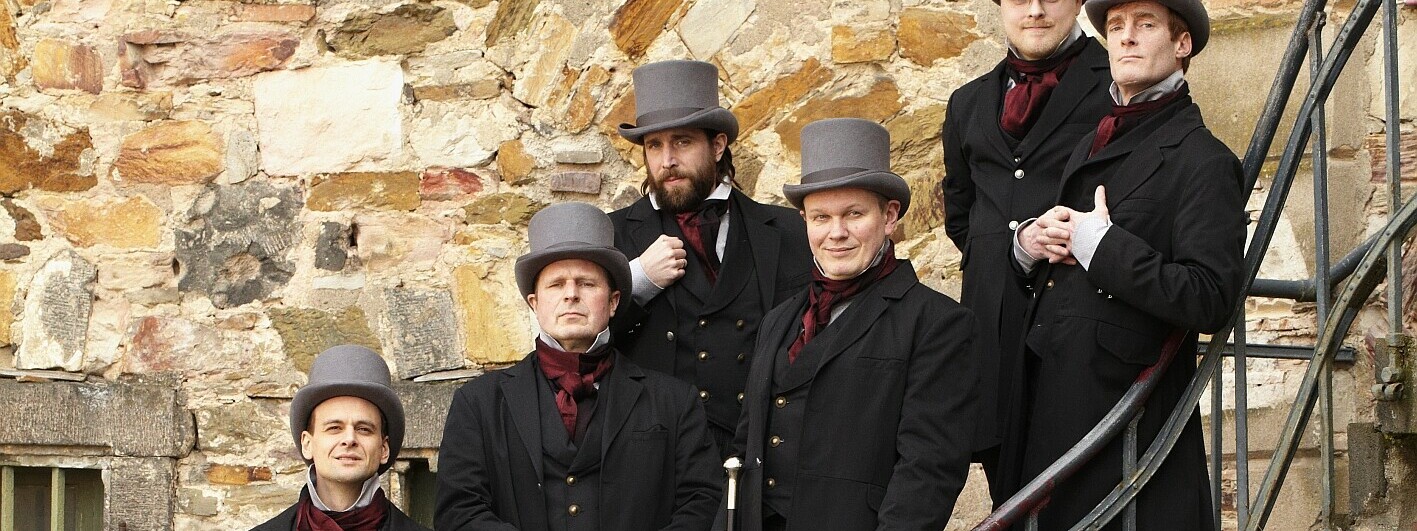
(1242, 424)
(1217, 445)
(1321, 275)
(1129, 468)
(1394, 167)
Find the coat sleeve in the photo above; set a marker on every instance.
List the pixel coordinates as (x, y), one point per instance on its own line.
(697, 491)
(464, 496)
(1195, 284)
(936, 424)
(958, 182)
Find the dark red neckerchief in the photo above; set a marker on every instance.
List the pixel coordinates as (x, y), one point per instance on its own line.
(826, 292)
(1125, 117)
(367, 518)
(574, 374)
(700, 230)
(1034, 82)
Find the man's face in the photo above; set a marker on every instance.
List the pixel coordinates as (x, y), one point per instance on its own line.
(346, 441)
(846, 228)
(1140, 47)
(682, 166)
(573, 302)
(1037, 27)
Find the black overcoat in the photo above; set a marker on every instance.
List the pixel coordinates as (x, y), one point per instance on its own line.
(767, 249)
(992, 183)
(886, 432)
(396, 521)
(658, 469)
(1172, 260)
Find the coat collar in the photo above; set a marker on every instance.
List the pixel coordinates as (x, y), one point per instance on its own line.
(1140, 149)
(866, 308)
(1081, 79)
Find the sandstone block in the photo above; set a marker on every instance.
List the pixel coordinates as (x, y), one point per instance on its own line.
(637, 23)
(400, 242)
(926, 35)
(494, 322)
(514, 209)
(539, 79)
(13, 251)
(233, 245)
(512, 17)
(159, 58)
(308, 332)
(196, 503)
(26, 226)
(131, 107)
(330, 119)
(852, 44)
(276, 13)
(139, 493)
(100, 418)
(236, 475)
(7, 301)
(425, 409)
(56, 159)
(461, 134)
(513, 162)
(60, 299)
(241, 157)
(349, 191)
(11, 60)
(916, 152)
(408, 29)
(123, 272)
(132, 222)
(478, 90)
(581, 182)
(443, 184)
(758, 107)
(881, 101)
(708, 25)
(172, 344)
(171, 153)
(422, 331)
(66, 66)
(579, 156)
(239, 427)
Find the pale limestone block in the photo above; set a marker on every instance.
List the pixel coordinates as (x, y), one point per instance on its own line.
(330, 119)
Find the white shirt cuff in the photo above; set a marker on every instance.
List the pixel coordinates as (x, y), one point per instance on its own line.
(1087, 236)
(644, 289)
(1025, 261)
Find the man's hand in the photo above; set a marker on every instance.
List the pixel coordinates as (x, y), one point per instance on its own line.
(1099, 210)
(1049, 236)
(664, 261)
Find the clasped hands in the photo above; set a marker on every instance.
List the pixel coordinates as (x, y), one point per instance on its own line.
(1050, 237)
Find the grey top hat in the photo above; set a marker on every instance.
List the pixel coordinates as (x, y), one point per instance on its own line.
(1191, 11)
(571, 230)
(350, 370)
(847, 153)
(671, 94)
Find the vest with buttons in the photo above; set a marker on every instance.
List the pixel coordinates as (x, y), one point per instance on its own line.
(571, 481)
(791, 386)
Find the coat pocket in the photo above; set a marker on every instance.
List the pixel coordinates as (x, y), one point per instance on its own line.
(1128, 345)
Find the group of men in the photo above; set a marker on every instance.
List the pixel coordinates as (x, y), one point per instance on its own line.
(1100, 223)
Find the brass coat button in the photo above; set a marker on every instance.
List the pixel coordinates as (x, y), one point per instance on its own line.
(703, 395)
(703, 355)
(739, 324)
(571, 480)
(1018, 174)
(772, 482)
(703, 323)
(740, 398)
(1049, 285)
(573, 510)
(669, 336)
(781, 402)
(741, 357)
(775, 441)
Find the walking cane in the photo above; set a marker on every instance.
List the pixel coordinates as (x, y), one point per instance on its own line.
(731, 466)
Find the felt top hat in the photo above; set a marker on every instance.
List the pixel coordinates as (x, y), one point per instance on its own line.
(571, 230)
(847, 153)
(671, 94)
(1191, 11)
(350, 370)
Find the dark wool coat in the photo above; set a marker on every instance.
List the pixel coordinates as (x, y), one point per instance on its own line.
(1173, 259)
(885, 434)
(992, 183)
(703, 334)
(657, 470)
(396, 521)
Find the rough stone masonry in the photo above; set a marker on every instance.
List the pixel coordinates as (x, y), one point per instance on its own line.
(200, 195)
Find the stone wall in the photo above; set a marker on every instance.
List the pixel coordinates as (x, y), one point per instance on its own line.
(207, 193)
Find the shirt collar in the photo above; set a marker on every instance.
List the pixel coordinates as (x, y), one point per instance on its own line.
(601, 339)
(721, 192)
(1166, 86)
(1068, 41)
(366, 494)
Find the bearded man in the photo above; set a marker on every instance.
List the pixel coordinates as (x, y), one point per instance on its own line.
(709, 261)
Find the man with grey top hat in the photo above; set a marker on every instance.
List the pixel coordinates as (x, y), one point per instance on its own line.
(1007, 135)
(860, 402)
(1143, 251)
(576, 435)
(348, 424)
(708, 261)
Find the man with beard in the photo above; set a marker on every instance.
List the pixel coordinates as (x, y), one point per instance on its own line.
(709, 261)
(1143, 250)
(1007, 135)
(860, 401)
(348, 425)
(575, 436)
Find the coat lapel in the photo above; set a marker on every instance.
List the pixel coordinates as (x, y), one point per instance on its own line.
(520, 393)
(991, 106)
(1077, 83)
(736, 270)
(624, 390)
(856, 321)
(764, 242)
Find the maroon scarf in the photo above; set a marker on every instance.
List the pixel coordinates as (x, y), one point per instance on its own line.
(1125, 117)
(367, 518)
(574, 374)
(1034, 83)
(826, 292)
(700, 230)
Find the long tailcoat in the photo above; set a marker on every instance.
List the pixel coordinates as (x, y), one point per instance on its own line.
(1171, 260)
(657, 466)
(396, 521)
(702, 334)
(885, 435)
(992, 182)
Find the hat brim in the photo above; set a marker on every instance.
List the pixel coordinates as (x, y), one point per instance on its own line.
(1197, 20)
(886, 183)
(715, 118)
(310, 397)
(529, 265)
